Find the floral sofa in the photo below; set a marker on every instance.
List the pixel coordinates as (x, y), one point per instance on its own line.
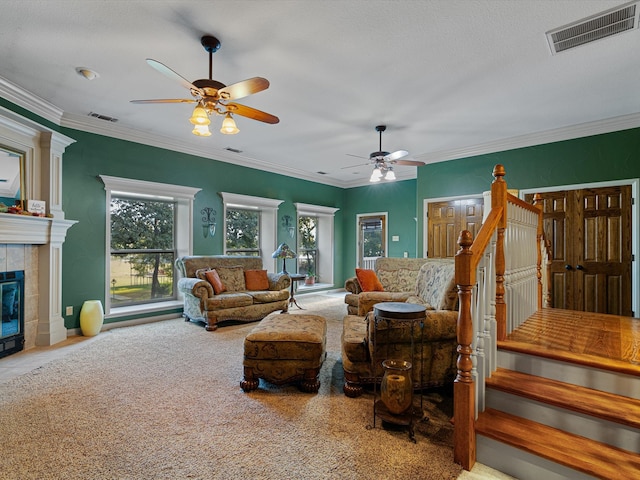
(246, 291)
(436, 343)
(397, 276)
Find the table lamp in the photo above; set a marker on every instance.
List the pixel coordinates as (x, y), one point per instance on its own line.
(283, 251)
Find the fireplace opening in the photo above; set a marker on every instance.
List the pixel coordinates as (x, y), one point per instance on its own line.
(12, 294)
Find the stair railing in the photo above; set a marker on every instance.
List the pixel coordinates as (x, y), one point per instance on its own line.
(499, 276)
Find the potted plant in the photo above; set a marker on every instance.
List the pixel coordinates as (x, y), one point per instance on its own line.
(310, 279)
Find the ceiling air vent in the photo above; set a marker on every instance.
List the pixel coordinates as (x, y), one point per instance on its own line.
(103, 117)
(602, 25)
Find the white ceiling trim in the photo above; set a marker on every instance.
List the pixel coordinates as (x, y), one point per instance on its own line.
(30, 101)
(588, 129)
(37, 105)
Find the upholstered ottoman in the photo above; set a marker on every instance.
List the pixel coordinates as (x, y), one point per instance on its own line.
(285, 348)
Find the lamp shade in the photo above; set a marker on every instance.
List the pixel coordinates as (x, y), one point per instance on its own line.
(229, 125)
(283, 251)
(199, 116)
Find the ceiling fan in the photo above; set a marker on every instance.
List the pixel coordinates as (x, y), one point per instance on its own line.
(211, 96)
(383, 161)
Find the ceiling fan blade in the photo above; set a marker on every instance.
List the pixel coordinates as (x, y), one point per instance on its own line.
(357, 156)
(243, 110)
(395, 155)
(167, 72)
(354, 166)
(243, 88)
(166, 100)
(413, 163)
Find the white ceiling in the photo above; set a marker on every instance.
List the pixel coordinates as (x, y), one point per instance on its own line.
(448, 77)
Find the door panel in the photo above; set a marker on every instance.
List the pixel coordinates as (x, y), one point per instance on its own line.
(445, 222)
(590, 234)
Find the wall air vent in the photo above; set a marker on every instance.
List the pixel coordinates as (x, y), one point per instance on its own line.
(602, 25)
(102, 117)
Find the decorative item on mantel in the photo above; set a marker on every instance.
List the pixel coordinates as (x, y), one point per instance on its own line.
(18, 210)
(209, 221)
(91, 318)
(283, 251)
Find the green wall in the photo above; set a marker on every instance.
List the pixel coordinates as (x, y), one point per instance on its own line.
(84, 200)
(398, 199)
(597, 158)
(604, 157)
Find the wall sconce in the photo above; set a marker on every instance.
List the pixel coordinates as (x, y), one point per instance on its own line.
(287, 222)
(209, 221)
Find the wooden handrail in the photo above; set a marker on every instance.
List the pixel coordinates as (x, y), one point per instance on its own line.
(486, 254)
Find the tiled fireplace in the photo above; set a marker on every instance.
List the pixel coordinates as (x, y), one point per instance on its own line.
(34, 244)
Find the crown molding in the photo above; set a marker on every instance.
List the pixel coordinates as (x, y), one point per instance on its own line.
(107, 129)
(29, 101)
(48, 111)
(586, 129)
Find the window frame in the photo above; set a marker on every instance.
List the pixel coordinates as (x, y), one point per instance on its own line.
(268, 235)
(235, 208)
(325, 241)
(183, 197)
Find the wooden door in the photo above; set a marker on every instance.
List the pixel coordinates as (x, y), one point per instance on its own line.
(447, 219)
(590, 234)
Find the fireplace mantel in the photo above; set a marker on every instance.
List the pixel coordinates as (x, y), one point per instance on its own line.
(42, 149)
(30, 230)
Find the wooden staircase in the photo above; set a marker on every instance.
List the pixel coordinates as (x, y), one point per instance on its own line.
(564, 402)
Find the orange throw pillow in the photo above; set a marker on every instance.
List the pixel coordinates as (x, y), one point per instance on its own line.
(214, 279)
(256, 279)
(368, 280)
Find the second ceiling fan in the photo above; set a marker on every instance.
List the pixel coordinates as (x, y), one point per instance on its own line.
(383, 161)
(212, 96)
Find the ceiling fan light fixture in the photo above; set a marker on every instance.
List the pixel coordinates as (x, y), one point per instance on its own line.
(199, 116)
(390, 175)
(201, 130)
(229, 126)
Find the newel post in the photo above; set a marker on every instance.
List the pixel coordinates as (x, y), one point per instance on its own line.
(499, 199)
(464, 450)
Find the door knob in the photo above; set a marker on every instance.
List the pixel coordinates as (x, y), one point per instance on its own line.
(579, 267)
(567, 267)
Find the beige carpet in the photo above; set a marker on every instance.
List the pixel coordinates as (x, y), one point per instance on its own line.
(162, 401)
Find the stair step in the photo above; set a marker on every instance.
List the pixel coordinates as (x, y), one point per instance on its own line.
(576, 452)
(596, 403)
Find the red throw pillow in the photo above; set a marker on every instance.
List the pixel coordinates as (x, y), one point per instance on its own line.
(368, 280)
(214, 279)
(256, 279)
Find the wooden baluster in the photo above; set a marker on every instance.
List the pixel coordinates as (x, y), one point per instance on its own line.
(464, 450)
(499, 199)
(537, 202)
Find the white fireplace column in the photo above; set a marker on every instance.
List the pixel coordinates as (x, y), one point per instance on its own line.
(43, 149)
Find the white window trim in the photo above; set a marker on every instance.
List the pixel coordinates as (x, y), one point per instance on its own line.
(325, 240)
(268, 208)
(359, 216)
(183, 196)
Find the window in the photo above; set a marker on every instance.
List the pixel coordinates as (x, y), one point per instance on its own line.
(242, 232)
(372, 238)
(320, 223)
(307, 245)
(142, 250)
(149, 225)
(251, 226)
